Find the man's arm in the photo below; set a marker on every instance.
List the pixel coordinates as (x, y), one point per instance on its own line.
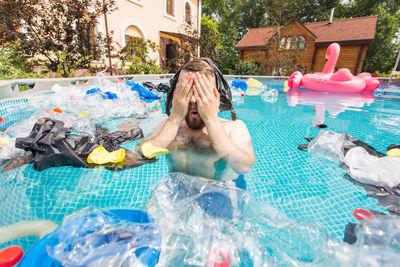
(236, 149)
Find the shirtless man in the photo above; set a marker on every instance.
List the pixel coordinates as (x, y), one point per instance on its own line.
(200, 143)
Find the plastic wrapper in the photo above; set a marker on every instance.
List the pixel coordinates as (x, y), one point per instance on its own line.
(208, 223)
(101, 100)
(198, 217)
(8, 149)
(270, 96)
(92, 237)
(328, 145)
(380, 171)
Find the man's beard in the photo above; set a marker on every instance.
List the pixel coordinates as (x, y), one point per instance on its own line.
(194, 123)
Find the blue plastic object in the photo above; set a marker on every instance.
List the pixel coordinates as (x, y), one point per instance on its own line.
(240, 85)
(38, 255)
(104, 95)
(143, 92)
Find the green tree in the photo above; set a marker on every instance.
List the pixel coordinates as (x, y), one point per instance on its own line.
(381, 54)
(210, 39)
(61, 32)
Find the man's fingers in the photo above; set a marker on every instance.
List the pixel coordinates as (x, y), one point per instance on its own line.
(182, 83)
(205, 89)
(199, 90)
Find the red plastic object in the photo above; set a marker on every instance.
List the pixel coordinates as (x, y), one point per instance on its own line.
(242, 94)
(58, 110)
(361, 214)
(218, 257)
(390, 127)
(1, 119)
(10, 256)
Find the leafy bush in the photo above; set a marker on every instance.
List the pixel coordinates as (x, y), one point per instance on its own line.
(68, 63)
(247, 68)
(14, 64)
(137, 54)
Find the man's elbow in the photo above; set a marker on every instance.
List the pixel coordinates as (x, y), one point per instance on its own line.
(244, 168)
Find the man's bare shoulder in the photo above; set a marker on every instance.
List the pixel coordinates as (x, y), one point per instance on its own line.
(233, 124)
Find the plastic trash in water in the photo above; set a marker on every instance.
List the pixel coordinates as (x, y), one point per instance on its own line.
(270, 96)
(94, 237)
(254, 83)
(369, 169)
(150, 151)
(328, 145)
(104, 95)
(10, 256)
(207, 222)
(143, 92)
(239, 85)
(218, 257)
(100, 155)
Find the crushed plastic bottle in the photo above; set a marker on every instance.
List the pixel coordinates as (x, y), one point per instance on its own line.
(93, 237)
(196, 215)
(328, 145)
(270, 96)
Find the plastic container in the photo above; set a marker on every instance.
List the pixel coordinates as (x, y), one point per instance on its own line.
(38, 255)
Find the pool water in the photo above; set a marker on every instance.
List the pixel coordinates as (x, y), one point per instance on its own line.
(291, 180)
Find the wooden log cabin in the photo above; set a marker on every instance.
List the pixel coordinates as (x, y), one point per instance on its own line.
(304, 45)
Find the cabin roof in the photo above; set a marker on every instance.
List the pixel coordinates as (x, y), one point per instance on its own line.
(344, 31)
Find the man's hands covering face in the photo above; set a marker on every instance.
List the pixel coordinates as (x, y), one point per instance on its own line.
(182, 95)
(207, 97)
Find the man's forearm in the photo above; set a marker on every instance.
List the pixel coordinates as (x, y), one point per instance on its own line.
(167, 133)
(236, 158)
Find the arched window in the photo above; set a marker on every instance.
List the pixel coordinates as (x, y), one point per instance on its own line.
(188, 14)
(170, 7)
(133, 40)
(282, 43)
(301, 42)
(288, 43)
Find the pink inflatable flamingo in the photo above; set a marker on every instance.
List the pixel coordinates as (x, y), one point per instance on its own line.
(341, 81)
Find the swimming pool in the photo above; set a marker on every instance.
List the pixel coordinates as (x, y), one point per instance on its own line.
(283, 176)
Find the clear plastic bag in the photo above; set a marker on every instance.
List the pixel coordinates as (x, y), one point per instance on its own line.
(199, 217)
(328, 145)
(368, 169)
(93, 237)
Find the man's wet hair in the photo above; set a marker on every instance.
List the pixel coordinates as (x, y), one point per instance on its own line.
(205, 66)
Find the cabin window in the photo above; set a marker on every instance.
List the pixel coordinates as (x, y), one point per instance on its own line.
(301, 42)
(282, 43)
(170, 7)
(288, 43)
(294, 42)
(188, 14)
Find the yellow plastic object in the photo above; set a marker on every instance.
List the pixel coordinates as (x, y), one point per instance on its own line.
(100, 155)
(82, 115)
(285, 86)
(254, 83)
(254, 91)
(150, 151)
(395, 152)
(3, 142)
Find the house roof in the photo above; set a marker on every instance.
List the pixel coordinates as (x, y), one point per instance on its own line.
(345, 31)
(257, 37)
